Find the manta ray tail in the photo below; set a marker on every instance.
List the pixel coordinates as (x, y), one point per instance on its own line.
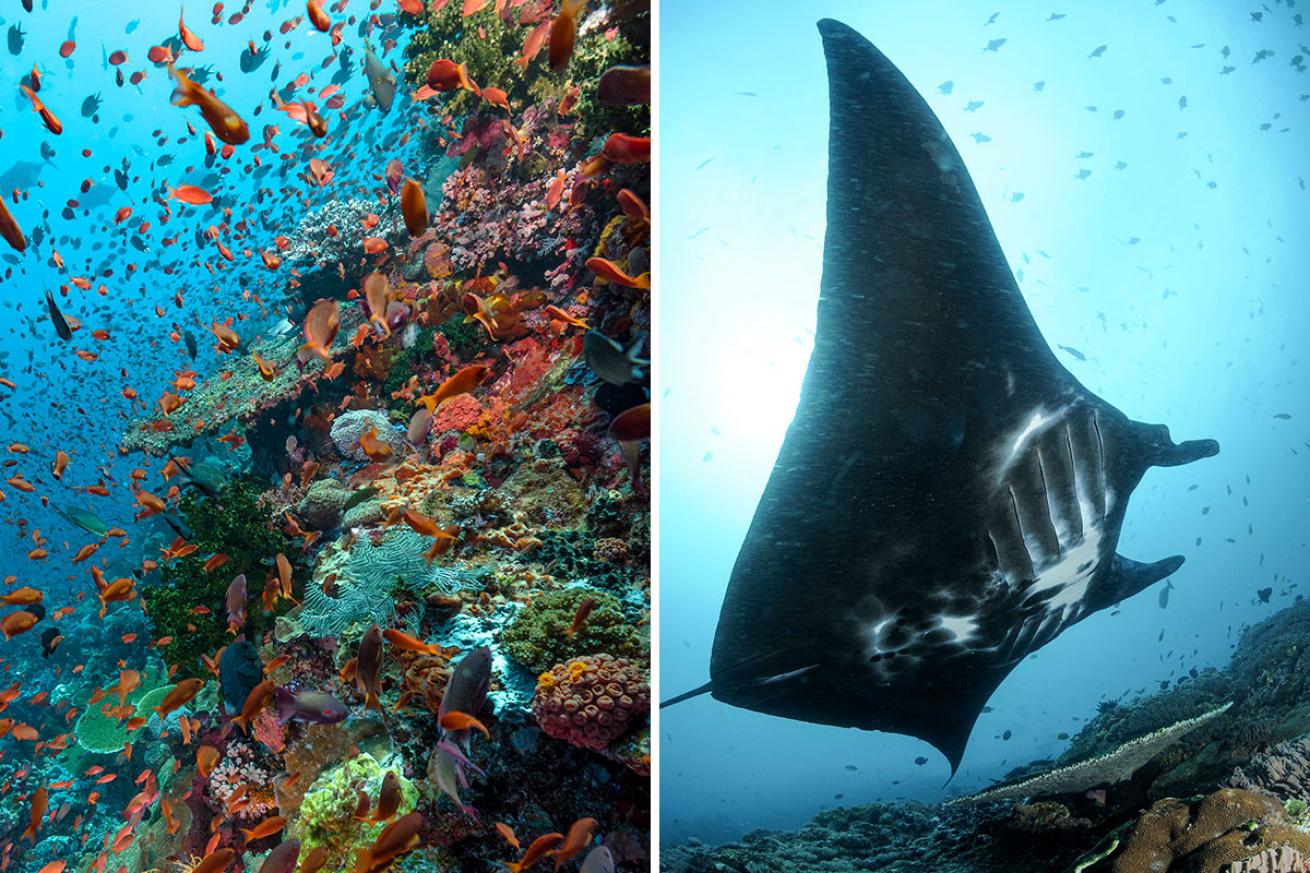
(688, 695)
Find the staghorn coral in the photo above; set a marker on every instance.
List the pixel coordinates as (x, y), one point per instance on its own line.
(592, 701)
(538, 636)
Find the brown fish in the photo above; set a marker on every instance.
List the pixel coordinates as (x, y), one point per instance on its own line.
(563, 34)
(180, 696)
(396, 839)
(368, 667)
(226, 124)
(9, 228)
(414, 206)
(259, 697)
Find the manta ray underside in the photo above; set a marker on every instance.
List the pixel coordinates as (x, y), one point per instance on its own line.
(948, 498)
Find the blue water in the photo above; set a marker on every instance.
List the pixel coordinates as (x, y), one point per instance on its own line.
(149, 288)
(1180, 277)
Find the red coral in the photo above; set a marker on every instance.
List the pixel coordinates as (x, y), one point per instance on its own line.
(591, 701)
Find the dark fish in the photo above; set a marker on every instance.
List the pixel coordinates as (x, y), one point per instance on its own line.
(315, 707)
(380, 81)
(610, 361)
(61, 326)
(1282, 416)
(467, 690)
(50, 640)
(1264, 594)
(16, 35)
(90, 106)
(368, 668)
(190, 340)
(239, 671)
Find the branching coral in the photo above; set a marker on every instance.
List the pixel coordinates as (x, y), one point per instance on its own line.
(538, 636)
(244, 763)
(591, 701)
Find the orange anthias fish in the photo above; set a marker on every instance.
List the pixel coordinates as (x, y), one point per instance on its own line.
(321, 326)
(462, 382)
(266, 828)
(446, 75)
(374, 448)
(192, 194)
(406, 643)
(51, 122)
(580, 616)
(612, 272)
(22, 596)
(397, 838)
(377, 293)
(536, 852)
(9, 228)
(563, 34)
(459, 721)
(226, 124)
(16, 623)
(179, 696)
(624, 149)
(40, 803)
(577, 839)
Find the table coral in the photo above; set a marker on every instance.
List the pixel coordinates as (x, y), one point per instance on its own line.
(591, 701)
(216, 403)
(538, 636)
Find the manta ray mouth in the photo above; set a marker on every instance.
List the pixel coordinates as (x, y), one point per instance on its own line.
(948, 498)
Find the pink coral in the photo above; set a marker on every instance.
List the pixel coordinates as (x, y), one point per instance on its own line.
(591, 701)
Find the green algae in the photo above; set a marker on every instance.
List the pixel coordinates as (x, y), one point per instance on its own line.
(327, 812)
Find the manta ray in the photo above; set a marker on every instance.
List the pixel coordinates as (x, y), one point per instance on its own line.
(948, 498)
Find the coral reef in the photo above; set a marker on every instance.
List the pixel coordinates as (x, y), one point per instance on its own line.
(1110, 768)
(327, 810)
(591, 702)
(539, 638)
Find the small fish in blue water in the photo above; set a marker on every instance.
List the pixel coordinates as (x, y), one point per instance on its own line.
(1074, 352)
(994, 45)
(90, 106)
(16, 34)
(1098, 51)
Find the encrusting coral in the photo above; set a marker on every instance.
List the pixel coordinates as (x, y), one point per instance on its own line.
(539, 638)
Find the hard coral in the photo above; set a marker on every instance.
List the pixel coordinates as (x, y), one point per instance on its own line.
(538, 635)
(592, 701)
(327, 811)
(1228, 831)
(350, 426)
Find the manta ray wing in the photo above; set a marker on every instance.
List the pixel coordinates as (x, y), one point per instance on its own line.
(948, 497)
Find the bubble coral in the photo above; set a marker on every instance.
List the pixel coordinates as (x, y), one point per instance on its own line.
(590, 702)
